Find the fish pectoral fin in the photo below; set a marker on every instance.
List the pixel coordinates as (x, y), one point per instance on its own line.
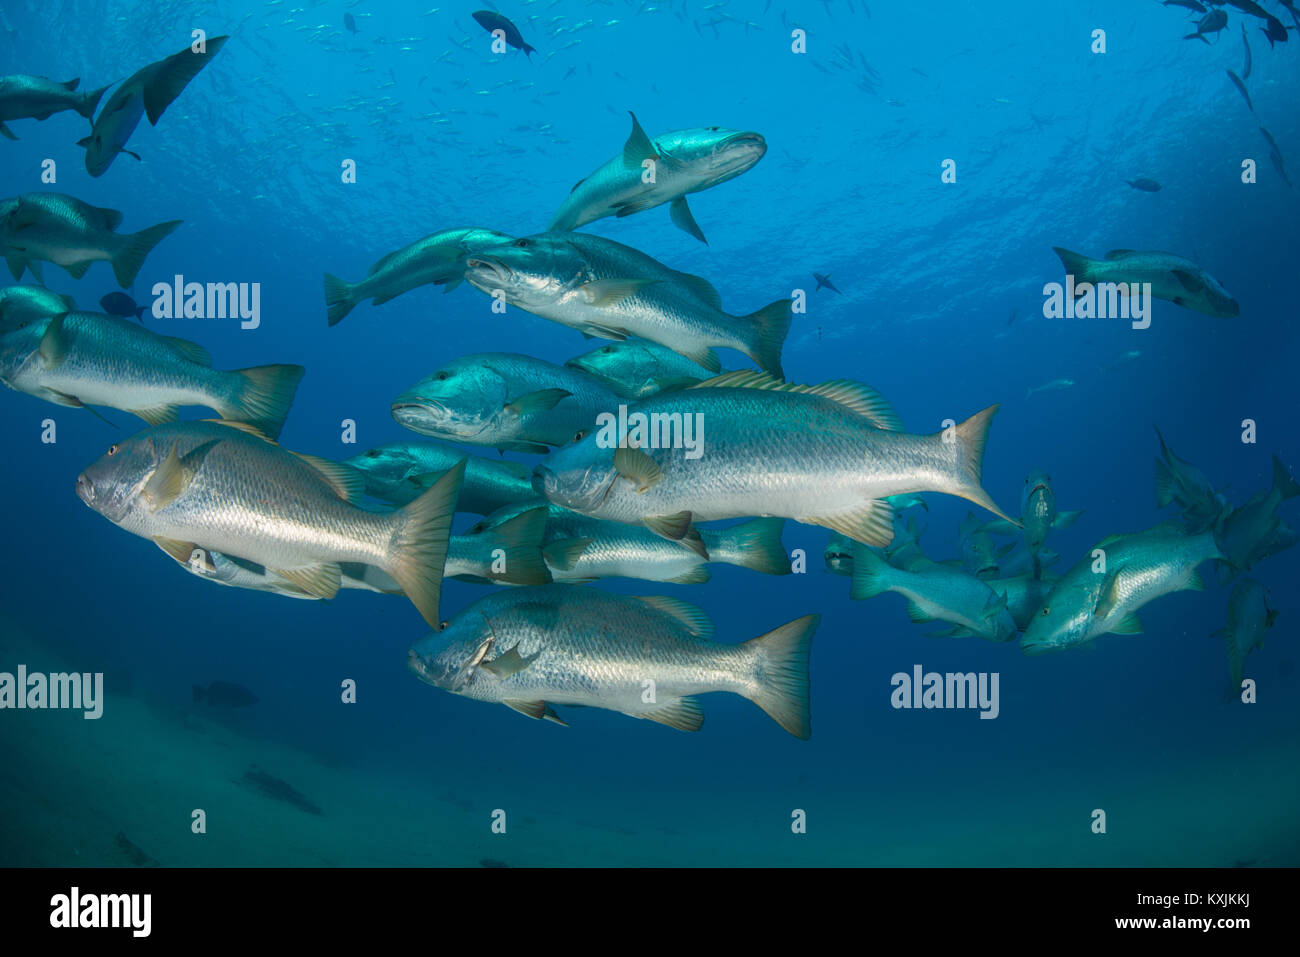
(638, 468)
(7, 133)
(543, 400)
(1194, 582)
(684, 714)
(564, 554)
(956, 631)
(533, 709)
(632, 206)
(1128, 625)
(995, 605)
(171, 478)
(511, 663)
(680, 213)
(16, 266)
(871, 525)
(1190, 282)
(1108, 598)
(182, 552)
(1067, 518)
(603, 293)
(54, 343)
(322, 581)
(638, 147)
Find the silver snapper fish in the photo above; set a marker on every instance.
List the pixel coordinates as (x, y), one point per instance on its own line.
(20, 306)
(147, 92)
(822, 455)
(24, 97)
(399, 472)
(639, 368)
(1172, 278)
(1249, 618)
(532, 648)
(83, 358)
(505, 401)
(582, 549)
(611, 291)
(1038, 516)
(936, 592)
(682, 162)
(1180, 483)
(1139, 568)
(57, 228)
(1250, 533)
(438, 258)
(1026, 595)
(217, 487)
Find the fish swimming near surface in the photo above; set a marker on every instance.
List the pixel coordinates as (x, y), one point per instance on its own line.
(682, 162)
(1249, 619)
(1144, 184)
(1211, 23)
(824, 455)
(1139, 568)
(224, 694)
(83, 358)
(825, 281)
(57, 228)
(120, 304)
(1194, 5)
(147, 92)
(491, 21)
(437, 259)
(936, 592)
(611, 291)
(24, 97)
(219, 487)
(505, 401)
(639, 368)
(399, 472)
(1172, 278)
(530, 649)
(1274, 30)
(1241, 87)
(22, 305)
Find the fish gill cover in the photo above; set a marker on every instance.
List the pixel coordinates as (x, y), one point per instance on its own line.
(985, 306)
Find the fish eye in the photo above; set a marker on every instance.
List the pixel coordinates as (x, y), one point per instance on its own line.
(522, 243)
(579, 436)
(1046, 611)
(112, 450)
(373, 454)
(607, 349)
(441, 376)
(442, 625)
(714, 129)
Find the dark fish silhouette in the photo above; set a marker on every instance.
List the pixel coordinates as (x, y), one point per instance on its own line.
(1144, 184)
(350, 23)
(1236, 81)
(273, 787)
(1275, 32)
(120, 304)
(492, 21)
(825, 281)
(137, 857)
(1275, 155)
(223, 694)
(1212, 22)
(1187, 4)
(1245, 73)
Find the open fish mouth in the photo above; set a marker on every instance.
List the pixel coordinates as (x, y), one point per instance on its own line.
(487, 269)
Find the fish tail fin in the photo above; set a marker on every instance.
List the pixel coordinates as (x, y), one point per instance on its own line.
(131, 256)
(870, 573)
(174, 74)
(529, 51)
(339, 299)
(755, 544)
(781, 670)
(1286, 486)
(1076, 265)
(520, 541)
(770, 325)
(197, 693)
(264, 399)
(418, 551)
(971, 437)
(90, 102)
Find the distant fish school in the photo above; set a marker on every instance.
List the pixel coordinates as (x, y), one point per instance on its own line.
(224, 501)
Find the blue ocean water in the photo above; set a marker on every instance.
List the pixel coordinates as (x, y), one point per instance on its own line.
(941, 312)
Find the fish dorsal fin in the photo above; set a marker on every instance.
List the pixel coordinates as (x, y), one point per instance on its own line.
(696, 620)
(576, 185)
(638, 147)
(1189, 282)
(71, 84)
(701, 288)
(346, 481)
(1118, 254)
(190, 350)
(855, 396)
(244, 427)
